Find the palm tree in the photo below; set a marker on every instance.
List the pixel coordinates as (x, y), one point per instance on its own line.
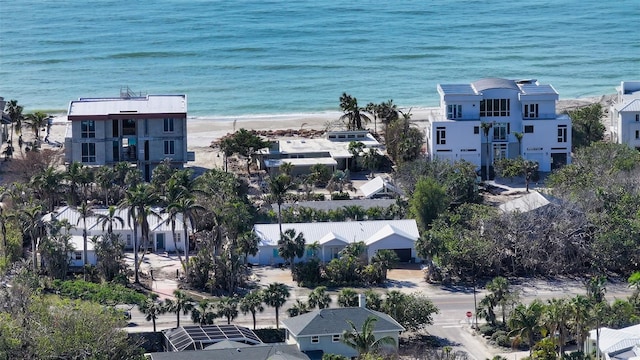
(136, 201)
(556, 317)
(394, 303)
(354, 115)
(152, 309)
(203, 313)
(319, 298)
(106, 180)
(596, 288)
(486, 309)
(290, 246)
(373, 300)
(286, 168)
(485, 130)
(385, 259)
(525, 321)
(275, 295)
(182, 304)
(187, 206)
(580, 307)
(85, 210)
(37, 121)
(109, 219)
(299, 308)
(278, 187)
(15, 114)
(252, 303)
(228, 307)
(499, 289)
(364, 341)
(247, 244)
(76, 175)
(32, 227)
(347, 297)
(47, 185)
(313, 249)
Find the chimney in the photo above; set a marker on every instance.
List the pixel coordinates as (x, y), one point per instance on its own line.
(362, 301)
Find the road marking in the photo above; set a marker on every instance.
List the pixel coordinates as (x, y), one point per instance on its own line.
(451, 326)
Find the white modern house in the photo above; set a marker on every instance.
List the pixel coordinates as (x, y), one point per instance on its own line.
(397, 235)
(321, 330)
(331, 151)
(161, 236)
(142, 130)
(479, 123)
(625, 115)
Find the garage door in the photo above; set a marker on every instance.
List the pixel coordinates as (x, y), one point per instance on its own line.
(404, 255)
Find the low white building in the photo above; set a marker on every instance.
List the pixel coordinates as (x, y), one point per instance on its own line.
(160, 236)
(479, 123)
(331, 151)
(397, 235)
(618, 344)
(625, 115)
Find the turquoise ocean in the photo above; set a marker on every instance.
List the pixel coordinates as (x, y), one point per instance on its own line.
(265, 57)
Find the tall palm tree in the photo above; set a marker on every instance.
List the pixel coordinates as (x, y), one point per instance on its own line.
(188, 208)
(290, 246)
(137, 202)
(354, 116)
(278, 187)
(85, 210)
(33, 227)
(525, 322)
(15, 114)
(152, 309)
(499, 288)
(364, 341)
(556, 318)
(106, 180)
(76, 175)
(580, 307)
(36, 121)
(275, 295)
(486, 127)
(47, 185)
(319, 298)
(252, 303)
(228, 307)
(181, 304)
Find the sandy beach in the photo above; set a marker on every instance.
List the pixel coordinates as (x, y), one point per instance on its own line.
(203, 131)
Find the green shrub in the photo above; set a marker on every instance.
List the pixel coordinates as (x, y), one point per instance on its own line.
(106, 293)
(340, 196)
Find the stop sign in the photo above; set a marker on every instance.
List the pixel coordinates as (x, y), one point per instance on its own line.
(469, 314)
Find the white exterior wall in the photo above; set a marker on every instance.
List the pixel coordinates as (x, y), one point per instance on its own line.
(625, 121)
(544, 141)
(392, 242)
(461, 141)
(91, 258)
(326, 343)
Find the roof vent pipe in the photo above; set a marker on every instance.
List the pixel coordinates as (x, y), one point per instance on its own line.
(362, 301)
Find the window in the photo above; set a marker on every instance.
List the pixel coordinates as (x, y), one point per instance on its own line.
(336, 338)
(454, 111)
(441, 136)
(499, 151)
(77, 255)
(476, 129)
(128, 239)
(276, 253)
(637, 117)
(495, 107)
(530, 111)
(88, 129)
(315, 339)
(169, 147)
(637, 134)
(178, 238)
(168, 125)
(500, 131)
(88, 152)
(528, 129)
(562, 133)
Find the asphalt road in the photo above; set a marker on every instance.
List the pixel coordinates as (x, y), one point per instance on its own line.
(451, 324)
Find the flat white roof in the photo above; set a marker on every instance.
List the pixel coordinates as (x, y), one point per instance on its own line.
(150, 104)
(276, 163)
(340, 147)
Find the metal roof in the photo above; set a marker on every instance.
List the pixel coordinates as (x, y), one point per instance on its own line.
(237, 352)
(337, 204)
(529, 89)
(632, 106)
(377, 185)
(150, 104)
(157, 222)
(334, 321)
(352, 231)
(196, 337)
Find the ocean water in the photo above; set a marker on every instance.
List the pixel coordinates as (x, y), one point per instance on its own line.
(250, 57)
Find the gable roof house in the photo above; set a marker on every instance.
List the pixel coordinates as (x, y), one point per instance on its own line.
(397, 235)
(615, 344)
(142, 130)
(161, 237)
(320, 331)
(625, 115)
(455, 131)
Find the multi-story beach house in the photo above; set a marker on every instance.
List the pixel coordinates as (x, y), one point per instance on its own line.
(625, 115)
(494, 118)
(142, 130)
